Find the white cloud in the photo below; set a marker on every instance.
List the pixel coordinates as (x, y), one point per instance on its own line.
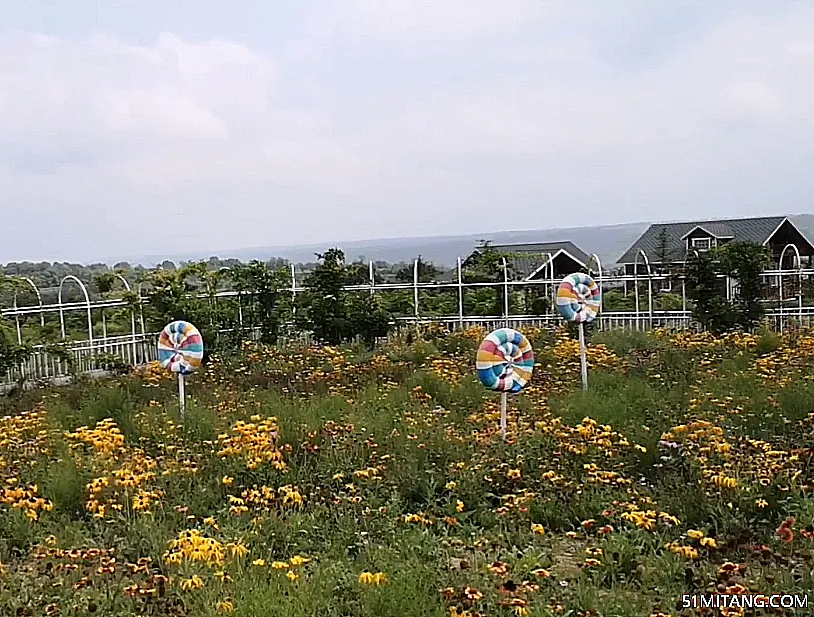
(423, 20)
(360, 139)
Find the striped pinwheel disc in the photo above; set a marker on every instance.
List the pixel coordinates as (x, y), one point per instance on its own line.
(579, 298)
(505, 361)
(180, 348)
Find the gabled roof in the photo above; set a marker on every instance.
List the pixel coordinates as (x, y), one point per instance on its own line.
(531, 257)
(757, 230)
(716, 230)
(541, 248)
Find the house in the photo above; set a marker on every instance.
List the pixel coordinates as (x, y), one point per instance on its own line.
(668, 244)
(537, 260)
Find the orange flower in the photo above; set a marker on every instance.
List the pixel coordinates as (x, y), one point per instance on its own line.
(784, 532)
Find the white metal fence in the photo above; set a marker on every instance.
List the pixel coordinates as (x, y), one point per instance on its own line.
(644, 290)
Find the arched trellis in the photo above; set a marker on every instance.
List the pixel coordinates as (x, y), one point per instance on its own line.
(649, 287)
(139, 292)
(119, 276)
(128, 289)
(594, 259)
(17, 317)
(799, 269)
(84, 289)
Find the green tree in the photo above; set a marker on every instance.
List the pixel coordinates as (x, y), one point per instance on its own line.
(321, 308)
(663, 252)
(485, 265)
(744, 262)
(710, 308)
(11, 353)
(266, 287)
(427, 272)
(367, 317)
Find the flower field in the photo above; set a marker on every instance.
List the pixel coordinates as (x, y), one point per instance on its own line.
(340, 481)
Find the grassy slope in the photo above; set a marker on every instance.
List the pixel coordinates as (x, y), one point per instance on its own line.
(400, 469)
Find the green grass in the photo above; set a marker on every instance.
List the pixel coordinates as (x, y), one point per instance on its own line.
(370, 440)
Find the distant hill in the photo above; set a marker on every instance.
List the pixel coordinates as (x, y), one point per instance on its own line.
(608, 242)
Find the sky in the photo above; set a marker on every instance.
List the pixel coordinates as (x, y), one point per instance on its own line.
(147, 127)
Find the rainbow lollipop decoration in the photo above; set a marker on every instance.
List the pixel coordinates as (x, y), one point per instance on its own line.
(579, 301)
(180, 349)
(505, 361)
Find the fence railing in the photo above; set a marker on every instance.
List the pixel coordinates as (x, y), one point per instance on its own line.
(139, 346)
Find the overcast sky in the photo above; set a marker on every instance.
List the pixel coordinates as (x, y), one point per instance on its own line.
(135, 127)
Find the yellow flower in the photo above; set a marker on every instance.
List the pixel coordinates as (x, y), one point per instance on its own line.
(695, 534)
(366, 578)
(369, 578)
(459, 506)
(761, 503)
(259, 562)
(709, 543)
(299, 560)
(279, 565)
(227, 480)
(224, 606)
(192, 583)
(538, 529)
(292, 576)
(238, 550)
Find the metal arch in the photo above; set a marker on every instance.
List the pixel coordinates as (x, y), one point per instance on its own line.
(39, 297)
(598, 271)
(17, 317)
(141, 309)
(133, 320)
(800, 282)
(132, 315)
(649, 286)
(84, 289)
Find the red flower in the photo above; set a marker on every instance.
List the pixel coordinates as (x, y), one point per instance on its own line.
(784, 532)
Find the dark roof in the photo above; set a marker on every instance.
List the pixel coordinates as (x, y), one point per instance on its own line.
(529, 257)
(541, 248)
(757, 230)
(717, 230)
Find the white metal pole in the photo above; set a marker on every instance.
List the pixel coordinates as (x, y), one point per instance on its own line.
(505, 292)
(182, 394)
(460, 296)
(415, 288)
(503, 420)
(583, 356)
